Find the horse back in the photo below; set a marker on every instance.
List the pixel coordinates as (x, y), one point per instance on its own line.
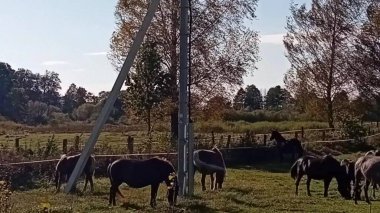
(370, 168)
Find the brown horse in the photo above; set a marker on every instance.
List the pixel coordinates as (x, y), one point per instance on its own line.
(65, 167)
(292, 146)
(321, 168)
(142, 173)
(210, 162)
(367, 168)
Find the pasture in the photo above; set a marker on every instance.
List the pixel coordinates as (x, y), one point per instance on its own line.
(258, 188)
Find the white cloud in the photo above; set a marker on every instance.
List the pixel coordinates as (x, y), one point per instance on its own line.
(77, 70)
(272, 38)
(96, 53)
(50, 63)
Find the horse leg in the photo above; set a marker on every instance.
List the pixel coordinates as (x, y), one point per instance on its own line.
(327, 182)
(299, 177)
(203, 180)
(212, 187)
(308, 180)
(374, 187)
(113, 189)
(153, 194)
(366, 186)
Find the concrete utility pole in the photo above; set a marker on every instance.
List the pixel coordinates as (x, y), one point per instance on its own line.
(104, 114)
(183, 119)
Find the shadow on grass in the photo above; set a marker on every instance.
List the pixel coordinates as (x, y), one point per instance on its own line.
(240, 191)
(275, 167)
(131, 206)
(199, 207)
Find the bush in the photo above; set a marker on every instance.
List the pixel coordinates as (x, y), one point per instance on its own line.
(353, 130)
(259, 115)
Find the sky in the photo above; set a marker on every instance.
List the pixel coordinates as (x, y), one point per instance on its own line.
(72, 38)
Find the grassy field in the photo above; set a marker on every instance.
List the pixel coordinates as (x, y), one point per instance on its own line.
(260, 188)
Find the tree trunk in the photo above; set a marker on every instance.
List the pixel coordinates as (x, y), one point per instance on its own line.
(173, 70)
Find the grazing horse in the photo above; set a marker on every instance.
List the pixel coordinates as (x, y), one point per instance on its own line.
(367, 168)
(65, 167)
(141, 173)
(350, 171)
(208, 162)
(321, 168)
(292, 146)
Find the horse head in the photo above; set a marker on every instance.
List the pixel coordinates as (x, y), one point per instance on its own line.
(344, 179)
(173, 187)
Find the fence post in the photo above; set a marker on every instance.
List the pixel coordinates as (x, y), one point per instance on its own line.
(265, 139)
(17, 144)
(228, 145)
(377, 124)
(296, 134)
(64, 146)
(76, 143)
(212, 138)
(130, 144)
(221, 141)
(323, 135)
(302, 132)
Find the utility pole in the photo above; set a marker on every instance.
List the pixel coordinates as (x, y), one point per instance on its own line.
(183, 119)
(104, 114)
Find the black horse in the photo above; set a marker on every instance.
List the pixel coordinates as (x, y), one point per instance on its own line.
(210, 162)
(321, 168)
(141, 173)
(65, 167)
(292, 146)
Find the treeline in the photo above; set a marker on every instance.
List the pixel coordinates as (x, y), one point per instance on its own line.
(34, 98)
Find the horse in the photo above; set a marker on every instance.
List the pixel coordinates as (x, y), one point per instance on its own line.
(292, 146)
(142, 173)
(208, 162)
(65, 167)
(350, 171)
(367, 168)
(321, 168)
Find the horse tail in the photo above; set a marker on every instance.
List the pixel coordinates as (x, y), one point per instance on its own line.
(109, 173)
(92, 165)
(294, 169)
(200, 164)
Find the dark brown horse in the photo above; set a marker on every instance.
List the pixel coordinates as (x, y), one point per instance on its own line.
(367, 168)
(292, 146)
(65, 167)
(210, 162)
(321, 168)
(142, 173)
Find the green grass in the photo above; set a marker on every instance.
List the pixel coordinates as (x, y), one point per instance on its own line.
(261, 188)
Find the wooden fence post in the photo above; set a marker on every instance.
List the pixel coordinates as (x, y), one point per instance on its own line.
(212, 138)
(265, 140)
(130, 144)
(76, 143)
(221, 141)
(296, 134)
(302, 133)
(17, 144)
(228, 145)
(323, 135)
(64, 146)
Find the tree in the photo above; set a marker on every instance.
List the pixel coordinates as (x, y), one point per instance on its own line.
(149, 84)
(215, 107)
(6, 75)
(276, 98)
(318, 44)
(239, 99)
(366, 63)
(50, 84)
(253, 98)
(224, 49)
